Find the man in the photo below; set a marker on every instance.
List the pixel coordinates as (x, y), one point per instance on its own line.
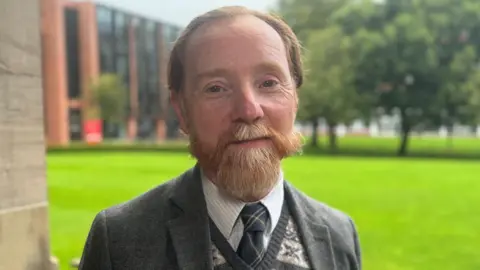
(233, 77)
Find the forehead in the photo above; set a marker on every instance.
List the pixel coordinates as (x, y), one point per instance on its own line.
(237, 43)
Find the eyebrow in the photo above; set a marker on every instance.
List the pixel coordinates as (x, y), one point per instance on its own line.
(269, 66)
(212, 73)
(222, 72)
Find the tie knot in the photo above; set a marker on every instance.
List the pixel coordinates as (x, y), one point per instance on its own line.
(255, 217)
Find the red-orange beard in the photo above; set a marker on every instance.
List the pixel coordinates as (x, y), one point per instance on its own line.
(247, 174)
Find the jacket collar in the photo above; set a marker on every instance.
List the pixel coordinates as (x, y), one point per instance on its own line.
(188, 225)
(312, 228)
(189, 221)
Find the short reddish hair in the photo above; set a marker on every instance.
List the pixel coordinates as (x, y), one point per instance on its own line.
(292, 45)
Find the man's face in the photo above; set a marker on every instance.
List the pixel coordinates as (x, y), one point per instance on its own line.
(238, 104)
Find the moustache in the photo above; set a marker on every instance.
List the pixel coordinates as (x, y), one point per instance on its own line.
(244, 132)
(283, 144)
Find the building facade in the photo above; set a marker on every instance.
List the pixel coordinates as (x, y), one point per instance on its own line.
(81, 41)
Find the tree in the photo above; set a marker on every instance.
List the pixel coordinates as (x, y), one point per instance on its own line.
(472, 89)
(363, 21)
(328, 91)
(410, 58)
(107, 99)
(307, 19)
(415, 57)
(453, 98)
(394, 56)
(305, 16)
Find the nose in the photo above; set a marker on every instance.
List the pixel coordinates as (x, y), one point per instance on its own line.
(247, 107)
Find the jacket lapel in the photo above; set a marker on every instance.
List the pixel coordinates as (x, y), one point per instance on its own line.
(315, 234)
(188, 226)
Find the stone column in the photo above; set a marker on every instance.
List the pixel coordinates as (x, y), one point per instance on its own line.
(24, 234)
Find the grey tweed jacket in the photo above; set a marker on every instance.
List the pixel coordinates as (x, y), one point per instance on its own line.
(167, 228)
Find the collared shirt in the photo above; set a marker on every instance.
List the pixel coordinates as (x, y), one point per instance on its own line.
(224, 210)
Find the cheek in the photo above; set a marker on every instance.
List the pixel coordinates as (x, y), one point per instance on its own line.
(281, 115)
(208, 122)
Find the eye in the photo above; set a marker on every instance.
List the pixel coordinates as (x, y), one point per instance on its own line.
(269, 84)
(215, 89)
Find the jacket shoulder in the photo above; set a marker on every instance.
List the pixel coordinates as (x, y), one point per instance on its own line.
(153, 202)
(335, 219)
(343, 231)
(320, 211)
(137, 225)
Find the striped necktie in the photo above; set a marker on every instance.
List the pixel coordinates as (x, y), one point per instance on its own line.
(255, 219)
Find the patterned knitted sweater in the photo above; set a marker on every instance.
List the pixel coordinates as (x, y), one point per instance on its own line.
(285, 250)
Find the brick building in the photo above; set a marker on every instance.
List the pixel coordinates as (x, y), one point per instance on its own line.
(80, 41)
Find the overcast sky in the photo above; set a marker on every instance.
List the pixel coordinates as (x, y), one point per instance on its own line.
(180, 12)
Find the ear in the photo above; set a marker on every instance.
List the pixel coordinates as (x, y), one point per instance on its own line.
(179, 107)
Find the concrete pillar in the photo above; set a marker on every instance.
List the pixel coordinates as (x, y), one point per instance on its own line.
(24, 233)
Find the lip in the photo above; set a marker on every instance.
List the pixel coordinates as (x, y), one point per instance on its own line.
(250, 141)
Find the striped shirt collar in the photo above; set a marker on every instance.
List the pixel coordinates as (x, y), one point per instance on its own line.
(224, 210)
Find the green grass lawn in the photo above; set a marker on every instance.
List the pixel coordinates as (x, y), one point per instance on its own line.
(411, 214)
(417, 145)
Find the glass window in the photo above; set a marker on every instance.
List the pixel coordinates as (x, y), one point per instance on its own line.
(151, 57)
(121, 32)
(135, 22)
(104, 18)
(174, 34)
(122, 67)
(120, 24)
(121, 45)
(72, 48)
(75, 124)
(140, 50)
(168, 33)
(165, 32)
(113, 50)
(147, 58)
(151, 36)
(123, 70)
(106, 39)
